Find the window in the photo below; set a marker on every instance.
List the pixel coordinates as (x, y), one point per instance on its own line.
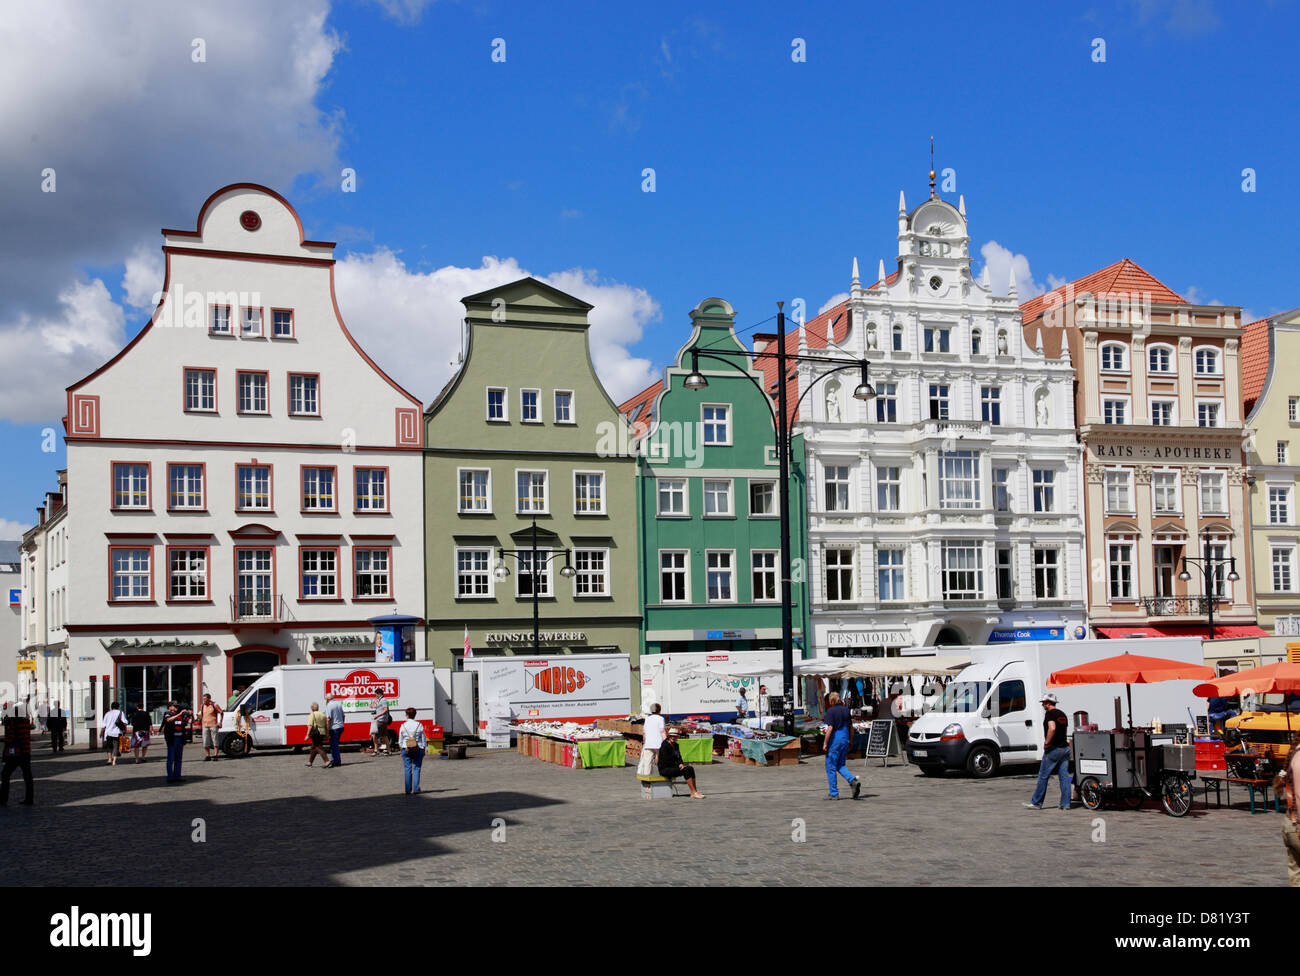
(1044, 490)
(719, 575)
(281, 323)
(1207, 414)
(1119, 491)
(763, 578)
(496, 403)
(132, 573)
(200, 391)
(1011, 697)
(1114, 357)
(1164, 491)
(187, 575)
(991, 404)
(839, 575)
(1114, 411)
(936, 339)
(529, 406)
(1162, 413)
(672, 496)
(371, 486)
(185, 487)
(473, 573)
(1160, 359)
(304, 395)
(320, 574)
(886, 403)
(131, 486)
(717, 423)
(589, 493)
(963, 571)
(959, 479)
(250, 323)
(1282, 452)
(1283, 576)
(717, 498)
(938, 401)
(1121, 570)
(253, 487)
(975, 342)
(1047, 580)
(219, 320)
(525, 576)
(762, 499)
(1006, 579)
(1212, 494)
(318, 490)
(1218, 553)
(889, 575)
(1207, 361)
(253, 574)
(475, 490)
(530, 492)
(252, 392)
(673, 586)
(898, 338)
(592, 567)
(371, 574)
(1293, 409)
(837, 488)
(564, 407)
(888, 489)
(1001, 498)
(1279, 506)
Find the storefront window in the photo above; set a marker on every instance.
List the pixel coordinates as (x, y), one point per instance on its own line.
(152, 686)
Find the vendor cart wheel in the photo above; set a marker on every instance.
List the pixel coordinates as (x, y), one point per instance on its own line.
(1090, 793)
(982, 762)
(1176, 795)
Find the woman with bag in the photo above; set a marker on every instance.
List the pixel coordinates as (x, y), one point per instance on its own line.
(114, 726)
(411, 736)
(318, 732)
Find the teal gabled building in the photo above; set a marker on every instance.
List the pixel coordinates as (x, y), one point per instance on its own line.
(707, 503)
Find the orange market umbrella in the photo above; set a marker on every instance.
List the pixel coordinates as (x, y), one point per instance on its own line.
(1129, 670)
(1282, 677)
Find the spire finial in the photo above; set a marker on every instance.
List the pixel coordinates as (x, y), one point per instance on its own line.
(881, 273)
(855, 282)
(902, 203)
(961, 204)
(932, 167)
(1011, 288)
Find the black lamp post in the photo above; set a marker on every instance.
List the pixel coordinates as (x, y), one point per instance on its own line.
(502, 571)
(1209, 567)
(697, 381)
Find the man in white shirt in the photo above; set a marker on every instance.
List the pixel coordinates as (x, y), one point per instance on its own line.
(652, 737)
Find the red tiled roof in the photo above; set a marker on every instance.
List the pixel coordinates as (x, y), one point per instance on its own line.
(637, 410)
(1254, 362)
(1125, 276)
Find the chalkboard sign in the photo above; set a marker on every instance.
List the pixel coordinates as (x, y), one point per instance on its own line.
(775, 705)
(881, 743)
(1202, 725)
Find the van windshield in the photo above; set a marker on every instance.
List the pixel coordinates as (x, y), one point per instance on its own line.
(963, 696)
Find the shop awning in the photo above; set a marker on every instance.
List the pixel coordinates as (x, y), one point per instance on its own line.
(1184, 630)
(892, 667)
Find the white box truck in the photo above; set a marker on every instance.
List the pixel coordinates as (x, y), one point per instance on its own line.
(279, 702)
(991, 713)
(563, 687)
(707, 682)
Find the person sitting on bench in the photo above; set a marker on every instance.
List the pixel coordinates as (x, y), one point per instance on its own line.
(670, 764)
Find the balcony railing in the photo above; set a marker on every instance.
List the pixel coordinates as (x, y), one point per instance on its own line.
(259, 609)
(1177, 606)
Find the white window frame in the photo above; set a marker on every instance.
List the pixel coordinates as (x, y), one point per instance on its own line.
(505, 404)
(1220, 562)
(1054, 567)
(1124, 402)
(936, 338)
(300, 380)
(254, 470)
(726, 422)
(537, 405)
(731, 569)
(1113, 542)
(1045, 489)
(472, 573)
(131, 573)
(685, 493)
(969, 479)
(603, 575)
(886, 403)
(1289, 551)
(943, 399)
(135, 486)
(839, 566)
(369, 495)
(1178, 492)
(1221, 477)
(186, 487)
(548, 583)
(946, 572)
(374, 575)
(892, 487)
(1172, 404)
(899, 567)
(846, 484)
(546, 492)
(684, 571)
(991, 405)
(323, 576)
(731, 498)
(1170, 352)
(1219, 415)
(604, 483)
(250, 375)
(1293, 410)
(244, 331)
(555, 407)
(1284, 452)
(1288, 494)
(1114, 476)
(1001, 488)
(776, 499)
(194, 589)
(774, 572)
(205, 384)
(460, 495)
(1196, 361)
(1124, 353)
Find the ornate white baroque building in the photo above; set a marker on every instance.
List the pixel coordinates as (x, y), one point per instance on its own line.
(948, 509)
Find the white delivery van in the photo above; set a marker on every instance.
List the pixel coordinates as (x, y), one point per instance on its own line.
(991, 714)
(279, 702)
(563, 687)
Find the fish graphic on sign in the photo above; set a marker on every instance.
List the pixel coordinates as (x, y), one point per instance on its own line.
(555, 680)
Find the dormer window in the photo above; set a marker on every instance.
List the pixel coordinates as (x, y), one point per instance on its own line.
(1114, 357)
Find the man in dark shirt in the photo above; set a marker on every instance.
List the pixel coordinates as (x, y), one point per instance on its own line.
(173, 730)
(57, 723)
(839, 735)
(1056, 755)
(670, 764)
(17, 751)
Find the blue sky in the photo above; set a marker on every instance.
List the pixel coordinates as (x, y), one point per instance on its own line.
(770, 174)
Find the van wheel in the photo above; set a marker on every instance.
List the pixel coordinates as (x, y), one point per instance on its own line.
(982, 762)
(235, 746)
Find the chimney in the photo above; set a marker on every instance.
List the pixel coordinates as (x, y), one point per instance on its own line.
(763, 341)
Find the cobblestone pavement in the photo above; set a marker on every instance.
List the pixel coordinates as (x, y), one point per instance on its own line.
(271, 821)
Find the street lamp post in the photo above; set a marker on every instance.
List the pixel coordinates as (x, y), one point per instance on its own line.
(696, 381)
(502, 571)
(1209, 566)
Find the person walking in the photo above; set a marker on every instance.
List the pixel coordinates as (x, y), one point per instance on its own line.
(57, 723)
(652, 737)
(43, 713)
(210, 719)
(839, 736)
(114, 726)
(1291, 825)
(173, 731)
(1056, 755)
(334, 711)
(141, 726)
(318, 731)
(17, 752)
(413, 741)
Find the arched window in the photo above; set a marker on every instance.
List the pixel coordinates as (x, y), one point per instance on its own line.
(1114, 357)
(975, 343)
(1160, 359)
(898, 337)
(1208, 362)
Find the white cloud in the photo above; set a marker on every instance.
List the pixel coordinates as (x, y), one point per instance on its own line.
(833, 301)
(1000, 262)
(403, 11)
(392, 310)
(143, 277)
(11, 531)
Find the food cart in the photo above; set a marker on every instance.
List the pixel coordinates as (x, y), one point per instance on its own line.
(1130, 766)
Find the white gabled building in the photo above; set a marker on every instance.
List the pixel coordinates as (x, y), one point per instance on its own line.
(249, 482)
(948, 509)
(43, 637)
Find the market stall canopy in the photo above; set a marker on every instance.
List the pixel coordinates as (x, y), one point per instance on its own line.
(1128, 669)
(881, 667)
(1281, 677)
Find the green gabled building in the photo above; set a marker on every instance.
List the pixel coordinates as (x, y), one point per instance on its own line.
(525, 433)
(707, 503)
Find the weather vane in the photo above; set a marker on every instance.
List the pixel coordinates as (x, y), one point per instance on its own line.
(932, 166)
